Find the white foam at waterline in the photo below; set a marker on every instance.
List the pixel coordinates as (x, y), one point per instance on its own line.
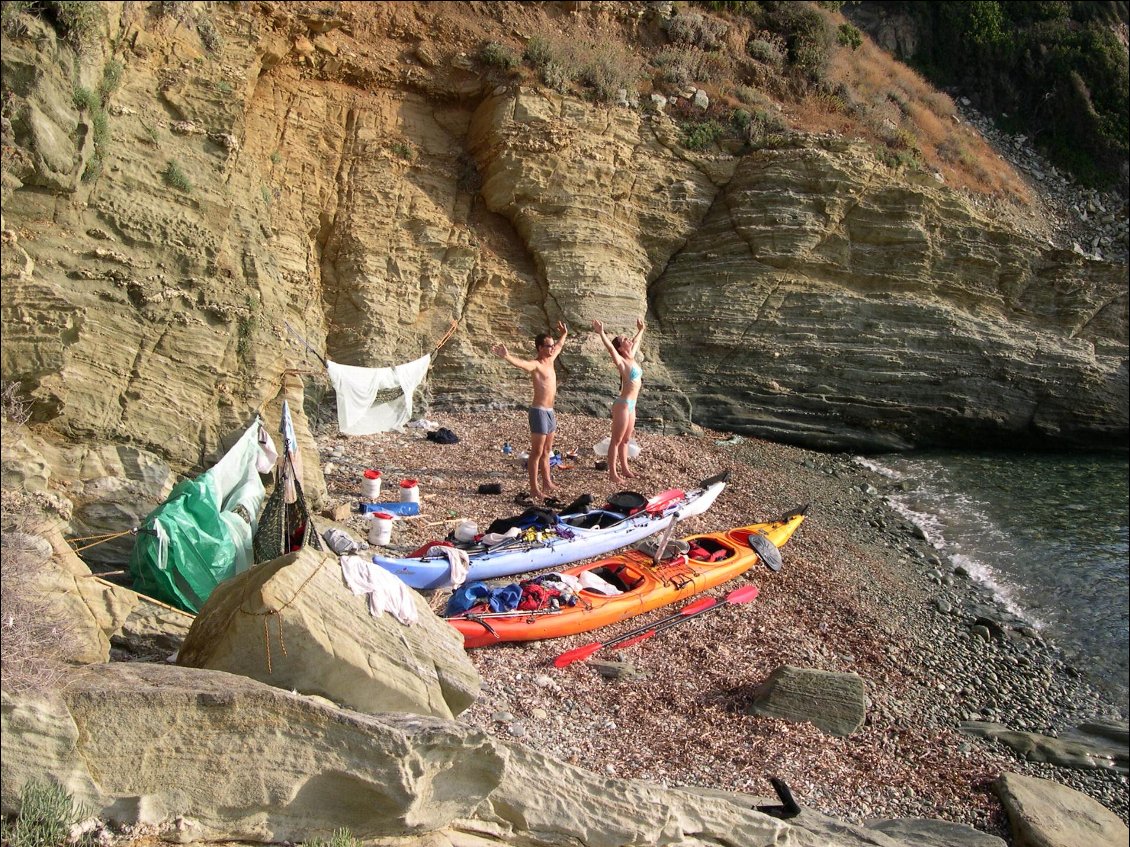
(875, 467)
(927, 522)
(982, 573)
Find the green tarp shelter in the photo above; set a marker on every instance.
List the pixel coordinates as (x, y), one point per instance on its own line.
(202, 533)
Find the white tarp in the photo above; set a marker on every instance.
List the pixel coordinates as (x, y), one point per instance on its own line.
(358, 413)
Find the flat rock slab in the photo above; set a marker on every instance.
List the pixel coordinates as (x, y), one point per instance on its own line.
(923, 832)
(834, 702)
(1046, 814)
(1094, 749)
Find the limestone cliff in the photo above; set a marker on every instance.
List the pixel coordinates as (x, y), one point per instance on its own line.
(355, 173)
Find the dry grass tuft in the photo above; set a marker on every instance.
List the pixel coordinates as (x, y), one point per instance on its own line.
(38, 638)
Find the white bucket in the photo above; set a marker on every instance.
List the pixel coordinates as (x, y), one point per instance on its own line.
(371, 485)
(601, 448)
(466, 531)
(409, 491)
(380, 529)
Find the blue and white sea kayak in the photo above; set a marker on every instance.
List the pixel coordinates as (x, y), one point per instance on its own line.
(573, 538)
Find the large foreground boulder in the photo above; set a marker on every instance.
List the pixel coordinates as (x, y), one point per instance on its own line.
(234, 759)
(1046, 814)
(292, 623)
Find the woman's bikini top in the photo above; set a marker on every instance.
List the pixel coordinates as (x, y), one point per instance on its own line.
(635, 374)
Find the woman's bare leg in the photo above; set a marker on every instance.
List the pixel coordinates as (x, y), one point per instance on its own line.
(617, 446)
(629, 432)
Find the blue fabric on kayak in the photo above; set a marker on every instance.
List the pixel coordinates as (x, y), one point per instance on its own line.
(506, 599)
(467, 596)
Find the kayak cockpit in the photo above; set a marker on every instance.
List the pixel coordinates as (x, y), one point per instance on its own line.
(610, 579)
(596, 519)
(709, 549)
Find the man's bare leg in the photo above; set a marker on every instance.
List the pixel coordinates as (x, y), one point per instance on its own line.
(533, 464)
(547, 454)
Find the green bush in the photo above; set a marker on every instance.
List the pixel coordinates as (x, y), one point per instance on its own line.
(848, 36)
(700, 135)
(499, 56)
(402, 149)
(111, 78)
(85, 100)
(176, 178)
(741, 119)
(766, 49)
(47, 813)
(682, 66)
(538, 51)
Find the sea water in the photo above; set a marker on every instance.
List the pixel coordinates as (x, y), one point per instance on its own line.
(1048, 533)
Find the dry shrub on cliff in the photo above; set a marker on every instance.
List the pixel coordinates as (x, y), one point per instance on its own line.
(37, 637)
(603, 67)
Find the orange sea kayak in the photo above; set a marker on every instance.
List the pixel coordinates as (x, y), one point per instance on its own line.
(643, 584)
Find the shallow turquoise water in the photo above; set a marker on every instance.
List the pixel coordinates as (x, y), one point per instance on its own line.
(1049, 533)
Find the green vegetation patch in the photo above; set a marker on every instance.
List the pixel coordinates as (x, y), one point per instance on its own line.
(1056, 69)
(47, 813)
(175, 177)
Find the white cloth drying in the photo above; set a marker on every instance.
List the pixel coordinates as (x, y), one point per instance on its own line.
(386, 593)
(268, 452)
(457, 560)
(595, 583)
(358, 413)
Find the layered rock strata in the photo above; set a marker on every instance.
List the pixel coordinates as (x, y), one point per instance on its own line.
(355, 180)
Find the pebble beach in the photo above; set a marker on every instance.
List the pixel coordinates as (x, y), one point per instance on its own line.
(860, 592)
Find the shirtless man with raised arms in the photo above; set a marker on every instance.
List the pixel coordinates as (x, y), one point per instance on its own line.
(543, 423)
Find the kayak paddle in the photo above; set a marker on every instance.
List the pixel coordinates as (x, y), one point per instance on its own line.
(738, 595)
(586, 650)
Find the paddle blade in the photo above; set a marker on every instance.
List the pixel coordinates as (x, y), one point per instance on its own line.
(698, 605)
(644, 636)
(766, 550)
(743, 594)
(576, 654)
(664, 499)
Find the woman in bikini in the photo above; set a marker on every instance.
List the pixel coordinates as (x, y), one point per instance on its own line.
(623, 352)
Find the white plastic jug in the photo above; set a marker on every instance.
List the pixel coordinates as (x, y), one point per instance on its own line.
(380, 529)
(466, 531)
(409, 491)
(371, 485)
